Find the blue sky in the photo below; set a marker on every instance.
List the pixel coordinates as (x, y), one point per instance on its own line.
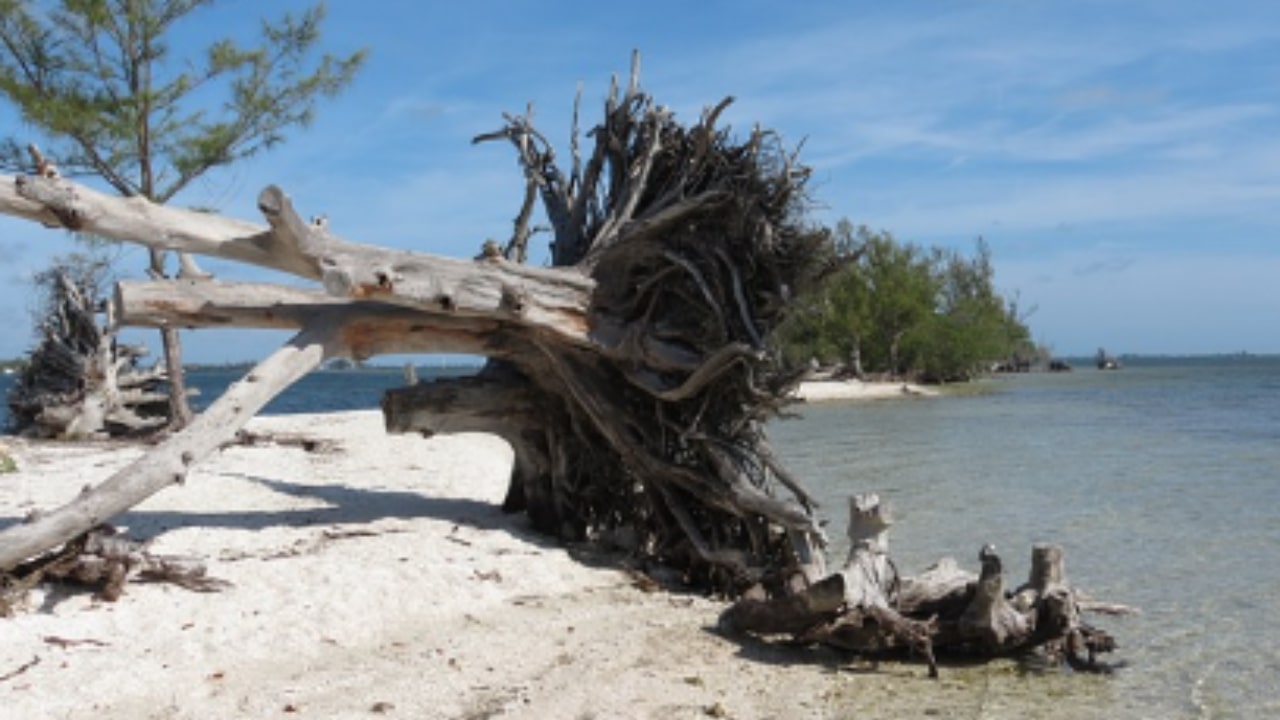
(1122, 159)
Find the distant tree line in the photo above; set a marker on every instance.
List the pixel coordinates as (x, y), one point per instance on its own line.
(896, 309)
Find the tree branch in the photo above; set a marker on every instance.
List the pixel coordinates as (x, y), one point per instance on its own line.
(547, 299)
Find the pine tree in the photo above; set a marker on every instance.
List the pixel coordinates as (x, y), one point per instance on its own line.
(96, 81)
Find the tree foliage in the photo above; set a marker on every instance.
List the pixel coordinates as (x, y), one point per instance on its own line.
(96, 80)
(898, 309)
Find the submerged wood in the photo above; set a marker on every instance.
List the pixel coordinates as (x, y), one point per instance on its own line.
(866, 609)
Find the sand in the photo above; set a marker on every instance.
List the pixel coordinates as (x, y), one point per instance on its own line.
(832, 390)
(376, 576)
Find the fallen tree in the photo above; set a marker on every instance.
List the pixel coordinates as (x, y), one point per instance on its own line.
(633, 377)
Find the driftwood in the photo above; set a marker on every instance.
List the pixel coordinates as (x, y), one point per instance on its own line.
(79, 382)
(634, 377)
(104, 561)
(866, 608)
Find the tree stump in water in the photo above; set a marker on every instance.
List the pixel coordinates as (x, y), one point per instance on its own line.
(867, 609)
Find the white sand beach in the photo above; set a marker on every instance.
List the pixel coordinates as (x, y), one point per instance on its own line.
(826, 390)
(376, 576)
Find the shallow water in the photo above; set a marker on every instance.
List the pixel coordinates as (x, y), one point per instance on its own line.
(1160, 480)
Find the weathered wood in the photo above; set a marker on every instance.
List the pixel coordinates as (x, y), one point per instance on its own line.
(104, 560)
(675, 251)
(870, 578)
(555, 300)
(851, 609)
(168, 463)
(864, 608)
(366, 328)
(795, 614)
(871, 622)
(990, 618)
(943, 587)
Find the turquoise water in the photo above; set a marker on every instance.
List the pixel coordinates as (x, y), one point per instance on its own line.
(1161, 480)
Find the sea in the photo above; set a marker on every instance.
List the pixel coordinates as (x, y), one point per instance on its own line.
(1161, 480)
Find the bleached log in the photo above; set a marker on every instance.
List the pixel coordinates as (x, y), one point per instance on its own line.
(168, 463)
(545, 298)
(366, 328)
(549, 299)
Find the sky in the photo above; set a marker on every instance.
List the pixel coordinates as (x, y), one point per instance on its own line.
(1121, 159)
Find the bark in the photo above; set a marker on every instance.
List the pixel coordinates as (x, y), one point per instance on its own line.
(171, 346)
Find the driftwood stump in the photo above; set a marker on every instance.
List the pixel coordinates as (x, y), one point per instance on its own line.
(867, 609)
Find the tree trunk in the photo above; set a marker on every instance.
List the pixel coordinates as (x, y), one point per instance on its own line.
(171, 344)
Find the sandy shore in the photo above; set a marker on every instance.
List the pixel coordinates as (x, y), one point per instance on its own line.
(829, 390)
(375, 576)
